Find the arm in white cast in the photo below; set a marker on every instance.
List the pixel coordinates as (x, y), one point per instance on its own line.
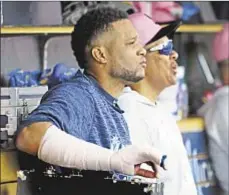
(59, 148)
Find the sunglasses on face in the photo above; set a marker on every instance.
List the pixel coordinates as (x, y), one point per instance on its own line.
(165, 48)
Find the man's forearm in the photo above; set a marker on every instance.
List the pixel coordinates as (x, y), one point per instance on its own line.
(62, 149)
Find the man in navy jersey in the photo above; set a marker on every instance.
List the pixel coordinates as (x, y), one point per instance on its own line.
(78, 124)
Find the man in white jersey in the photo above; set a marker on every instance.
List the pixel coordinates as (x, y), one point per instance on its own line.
(148, 121)
(216, 112)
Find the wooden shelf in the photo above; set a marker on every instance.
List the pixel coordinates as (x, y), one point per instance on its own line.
(200, 28)
(36, 30)
(15, 30)
(191, 125)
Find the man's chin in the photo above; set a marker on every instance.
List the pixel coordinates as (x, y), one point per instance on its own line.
(136, 80)
(133, 80)
(139, 78)
(171, 83)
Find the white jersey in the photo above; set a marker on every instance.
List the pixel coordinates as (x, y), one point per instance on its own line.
(215, 113)
(150, 123)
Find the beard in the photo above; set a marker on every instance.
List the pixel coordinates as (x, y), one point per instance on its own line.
(129, 76)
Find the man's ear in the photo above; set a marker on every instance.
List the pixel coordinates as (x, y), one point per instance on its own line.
(99, 54)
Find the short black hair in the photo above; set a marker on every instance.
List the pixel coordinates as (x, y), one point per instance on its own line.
(90, 25)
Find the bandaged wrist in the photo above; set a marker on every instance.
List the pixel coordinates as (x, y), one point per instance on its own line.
(59, 148)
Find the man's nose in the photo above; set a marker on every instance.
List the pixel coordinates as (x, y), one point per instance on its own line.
(142, 51)
(174, 55)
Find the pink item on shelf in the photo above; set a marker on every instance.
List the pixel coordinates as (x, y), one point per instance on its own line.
(160, 12)
(221, 44)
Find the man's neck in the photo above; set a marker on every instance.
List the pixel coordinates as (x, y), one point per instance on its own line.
(146, 89)
(111, 85)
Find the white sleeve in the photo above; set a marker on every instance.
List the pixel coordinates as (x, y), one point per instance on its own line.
(188, 184)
